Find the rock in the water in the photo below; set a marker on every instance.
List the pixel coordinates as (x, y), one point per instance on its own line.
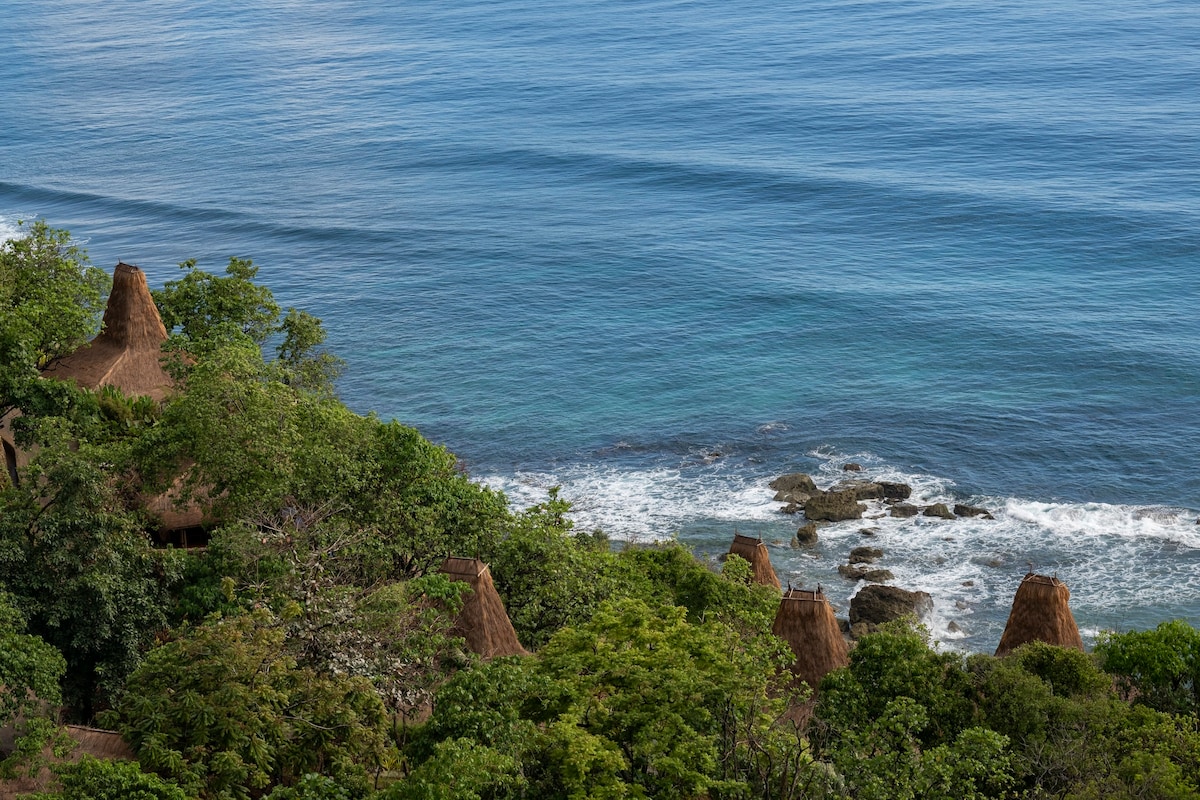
(793, 482)
(905, 510)
(895, 491)
(863, 490)
(795, 496)
(834, 507)
(868, 531)
(953, 627)
(792, 508)
(852, 467)
(856, 573)
(864, 555)
(877, 604)
(961, 510)
(807, 533)
(938, 510)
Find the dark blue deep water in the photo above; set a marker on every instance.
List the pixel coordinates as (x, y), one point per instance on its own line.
(659, 252)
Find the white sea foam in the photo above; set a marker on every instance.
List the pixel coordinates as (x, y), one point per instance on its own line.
(1109, 555)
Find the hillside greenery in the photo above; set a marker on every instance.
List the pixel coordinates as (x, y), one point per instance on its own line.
(308, 652)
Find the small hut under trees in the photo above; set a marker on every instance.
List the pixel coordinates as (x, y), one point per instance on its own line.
(754, 551)
(1040, 613)
(806, 622)
(483, 622)
(128, 351)
(126, 355)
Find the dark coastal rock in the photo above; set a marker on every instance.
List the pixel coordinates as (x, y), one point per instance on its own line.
(864, 555)
(868, 531)
(863, 490)
(961, 510)
(895, 491)
(834, 507)
(853, 572)
(852, 467)
(792, 508)
(938, 510)
(795, 496)
(806, 534)
(793, 482)
(905, 510)
(876, 604)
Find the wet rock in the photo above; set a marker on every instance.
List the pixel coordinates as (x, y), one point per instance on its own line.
(863, 490)
(895, 491)
(852, 467)
(806, 534)
(938, 510)
(953, 627)
(961, 510)
(857, 573)
(968, 583)
(905, 510)
(961, 605)
(834, 507)
(795, 481)
(877, 604)
(868, 531)
(865, 555)
(794, 496)
(792, 508)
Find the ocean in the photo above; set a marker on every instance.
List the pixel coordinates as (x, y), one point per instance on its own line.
(659, 252)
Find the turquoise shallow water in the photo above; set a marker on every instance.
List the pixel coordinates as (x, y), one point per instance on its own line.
(598, 244)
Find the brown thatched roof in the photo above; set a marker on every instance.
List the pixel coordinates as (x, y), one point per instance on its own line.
(127, 352)
(1040, 613)
(805, 621)
(483, 622)
(754, 551)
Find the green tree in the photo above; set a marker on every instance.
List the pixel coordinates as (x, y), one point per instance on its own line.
(93, 779)
(30, 671)
(225, 711)
(50, 298)
(1159, 668)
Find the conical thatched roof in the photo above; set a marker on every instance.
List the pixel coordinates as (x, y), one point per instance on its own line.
(483, 622)
(805, 621)
(754, 551)
(1040, 613)
(127, 352)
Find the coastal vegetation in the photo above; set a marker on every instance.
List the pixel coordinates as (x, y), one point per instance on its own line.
(310, 649)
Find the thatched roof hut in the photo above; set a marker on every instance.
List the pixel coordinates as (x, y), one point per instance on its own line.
(805, 621)
(483, 622)
(1040, 613)
(754, 551)
(127, 353)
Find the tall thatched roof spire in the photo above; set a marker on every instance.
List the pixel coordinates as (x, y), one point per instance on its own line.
(805, 621)
(754, 551)
(483, 622)
(1040, 613)
(127, 352)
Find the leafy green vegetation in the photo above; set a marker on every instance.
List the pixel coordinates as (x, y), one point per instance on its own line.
(310, 650)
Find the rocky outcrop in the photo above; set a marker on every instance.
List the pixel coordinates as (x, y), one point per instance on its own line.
(852, 467)
(938, 510)
(893, 490)
(865, 555)
(806, 534)
(862, 490)
(794, 481)
(856, 572)
(876, 604)
(834, 507)
(905, 510)
(961, 510)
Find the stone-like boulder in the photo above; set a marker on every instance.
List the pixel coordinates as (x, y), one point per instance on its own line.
(806, 534)
(863, 490)
(834, 507)
(876, 604)
(895, 491)
(905, 510)
(864, 555)
(852, 467)
(961, 510)
(856, 572)
(938, 510)
(792, 482)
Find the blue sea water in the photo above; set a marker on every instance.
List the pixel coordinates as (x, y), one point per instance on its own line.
(658, 252)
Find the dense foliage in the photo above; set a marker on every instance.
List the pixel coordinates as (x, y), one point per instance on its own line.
(310, 650)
